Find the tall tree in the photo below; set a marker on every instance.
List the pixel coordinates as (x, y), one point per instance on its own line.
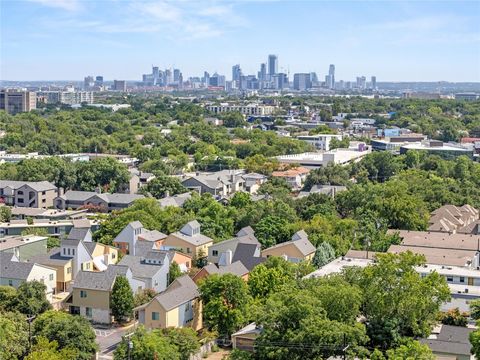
(31, 298)
(121, 299)
(225, 299)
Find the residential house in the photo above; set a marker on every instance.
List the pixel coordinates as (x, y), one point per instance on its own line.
(175, 200)
(450, 342)
(34, 194)
(24, 247)
(296, 250)
(249, 255)
(99, 201)
(137, 180)
(14, 272)
(222, 253)
(235, 268)
(294, 177)
(253, 182)
(244, 339)
(23, 213)
(189, 240)
(178, 306)
(220, 184)
(152, 269)
(91, 291)
(127, 239)
(54, 228)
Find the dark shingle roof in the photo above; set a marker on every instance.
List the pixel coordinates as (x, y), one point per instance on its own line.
(451, 340)
(78, 234)
(99, 280)
(180, 291)
(246, 254)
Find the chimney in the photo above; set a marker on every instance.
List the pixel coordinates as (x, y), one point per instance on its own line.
(60, 191)
(228, 257)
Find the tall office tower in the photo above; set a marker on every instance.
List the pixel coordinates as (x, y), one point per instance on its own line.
(120, 85)
(236, 72)
(329, 83)
(262, 74)
(206, 78)
(13, 101)
(99, 81)
(176, 75)
(314, 77)
(272, 64)
(88, 82)
(373, 83)
(331, 73)
(361, 82)
(168, 77)
(217, 80)
(280, 81)
(302, 81)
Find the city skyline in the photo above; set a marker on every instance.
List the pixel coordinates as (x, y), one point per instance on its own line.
(68, 39)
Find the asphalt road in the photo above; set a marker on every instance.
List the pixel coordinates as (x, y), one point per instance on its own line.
(109, 338)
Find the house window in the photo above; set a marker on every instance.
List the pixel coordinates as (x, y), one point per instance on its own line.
(83, 294)
(68, 252)
(69, 269)
(44, 201)
(188, 306)
(155, 315)
(189, 251)
(449, 278)
(73, 251)
(10, 282)
(20, 201)
(44, 192)
(19, 192)
(50, 277)
(462, 279)
(214, 252)
(88, 312)
(64, 251)
(113, 255)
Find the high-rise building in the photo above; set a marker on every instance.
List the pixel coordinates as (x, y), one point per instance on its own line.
(373, 83)
(302, 81)
(262, 74)
(329, 81)
(168, 77)
(217, 80)
(236, 72)
(88, 82)
(280, 81)
(331, 74)
(14, 102)
(206, 78)
(99, 81)
(120, 85)
(176, 75)
(272, 64)
(361, 82)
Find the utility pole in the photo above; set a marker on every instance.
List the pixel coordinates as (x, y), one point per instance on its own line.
(129, 345)
(30, 319)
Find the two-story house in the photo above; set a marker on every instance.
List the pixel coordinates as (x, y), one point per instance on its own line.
(128, 238)
(296, 250)
(178, 306)
(34, 194)
(189, 240)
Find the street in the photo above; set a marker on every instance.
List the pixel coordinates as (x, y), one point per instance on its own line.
(109, 338)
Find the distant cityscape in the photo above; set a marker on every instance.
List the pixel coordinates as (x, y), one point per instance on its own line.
(23, 96)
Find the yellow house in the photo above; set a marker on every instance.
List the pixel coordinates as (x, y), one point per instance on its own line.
(178, 306)
(296, 250)
(189, 240)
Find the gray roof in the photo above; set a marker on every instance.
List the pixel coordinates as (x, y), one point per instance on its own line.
(36, 185)
(196, 240)
(180, 291)
(116, 198)
(102, 280)
(14, 269)
(450, 340)
(53, 257)
(247, 230)
(152, 235)
(235, 268)
(141, 269)
(136, 224)
(303, 245)
(245, 253)
(175, 200)
(90, 245)
(78, 234)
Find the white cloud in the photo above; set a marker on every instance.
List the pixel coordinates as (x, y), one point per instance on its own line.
(69, 5)
(161, 10)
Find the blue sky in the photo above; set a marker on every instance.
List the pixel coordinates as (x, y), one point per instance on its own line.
(121, 39)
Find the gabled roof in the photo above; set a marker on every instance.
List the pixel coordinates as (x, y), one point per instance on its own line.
(235, 268)
(303, 245)
(102, 280)
(182, 290)
(450, 340)
(247, 230)
(245, 253)
(152, 235)
(194, 240)
(14, 269)
(175, 200)
(35, 185)
(140, 268)
(78, 234)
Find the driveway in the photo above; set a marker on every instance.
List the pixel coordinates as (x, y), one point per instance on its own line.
(109, 338)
